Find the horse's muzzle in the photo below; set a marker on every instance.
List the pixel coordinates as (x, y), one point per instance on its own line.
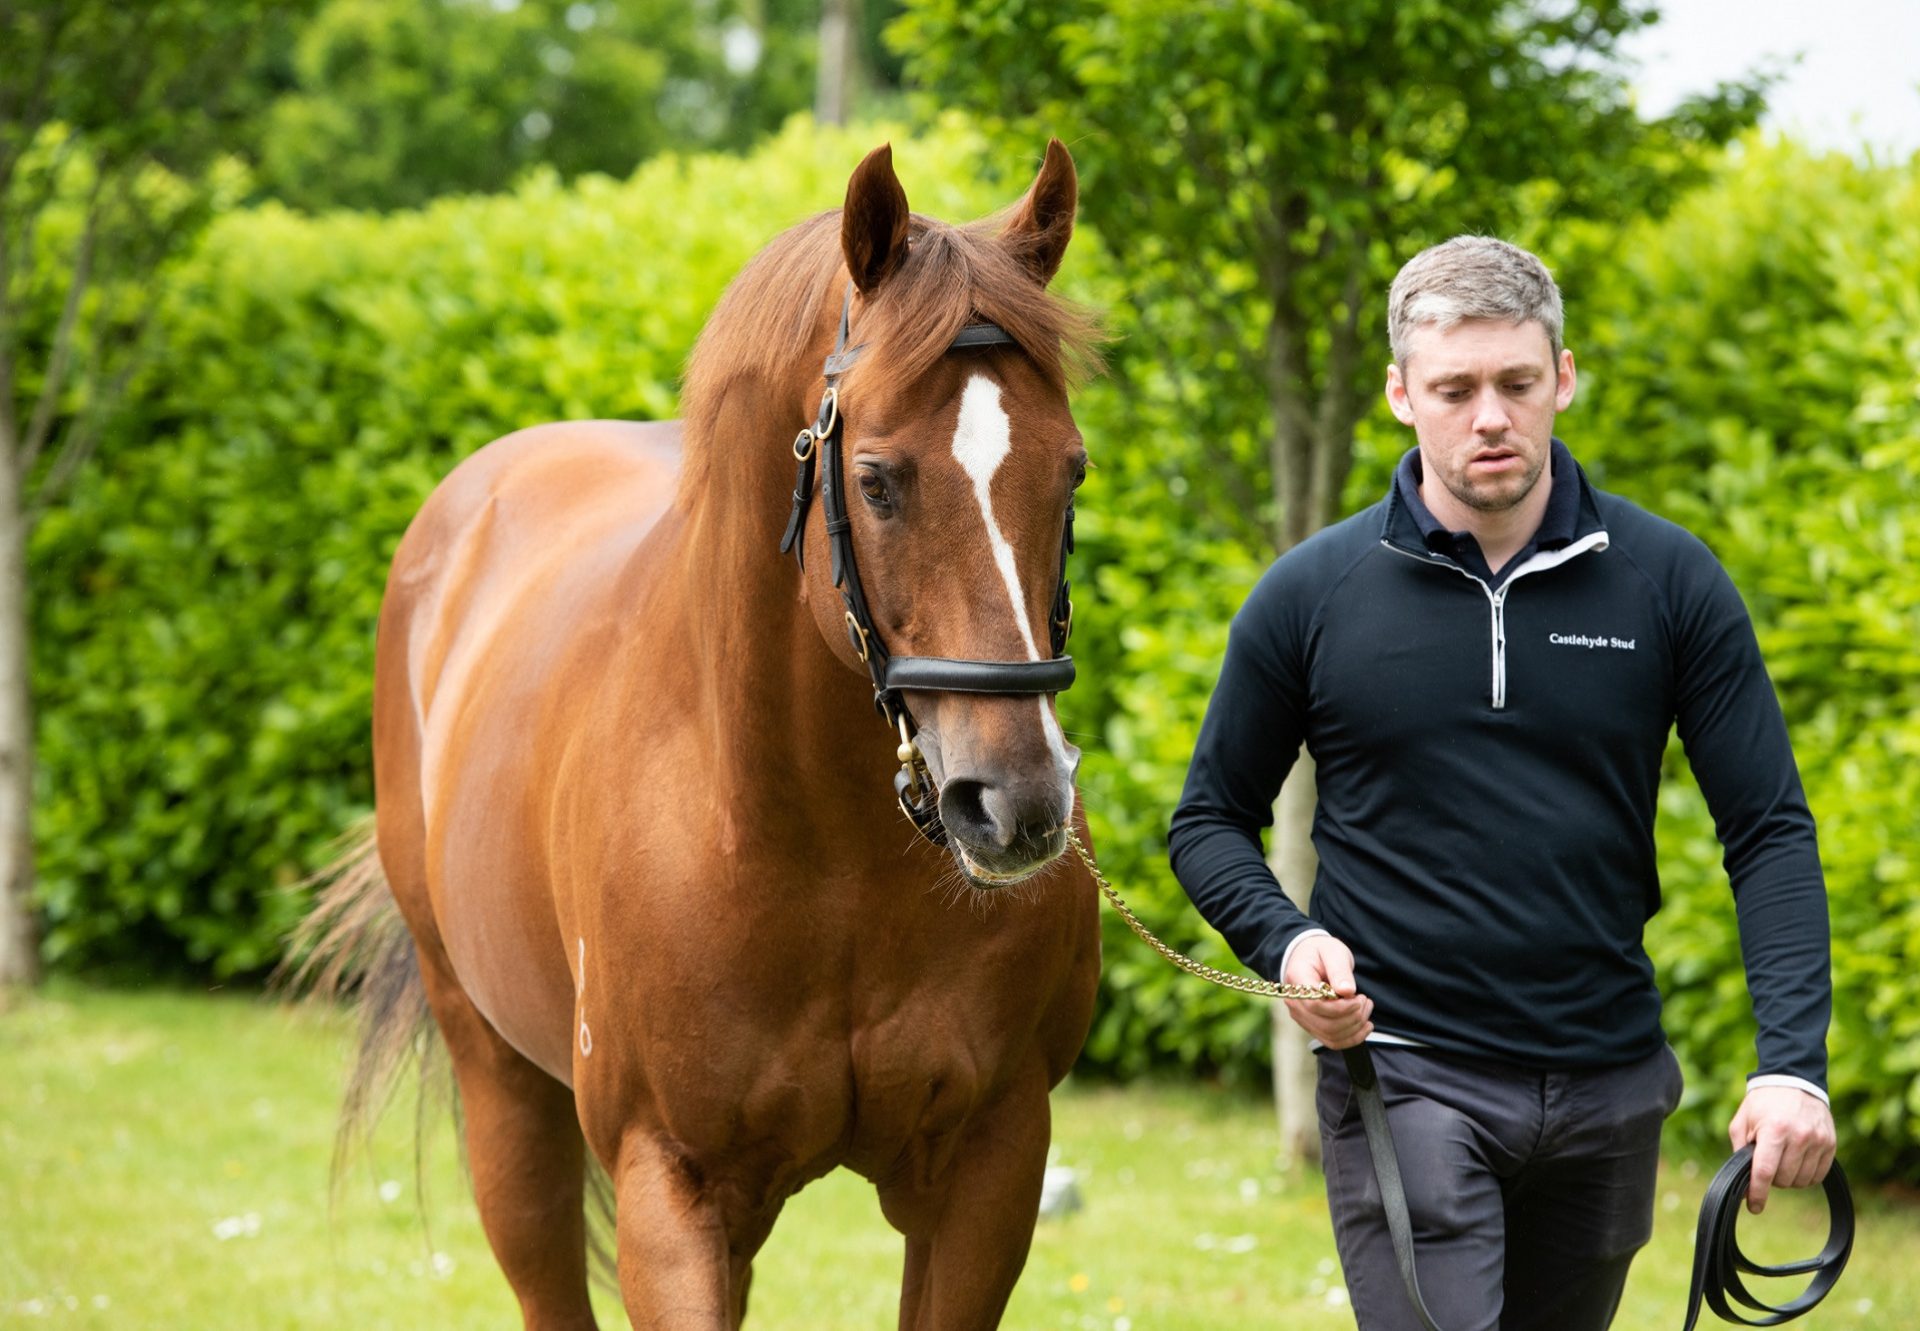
(1002, 833)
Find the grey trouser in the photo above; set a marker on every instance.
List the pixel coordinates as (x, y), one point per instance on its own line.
(1529, 1191)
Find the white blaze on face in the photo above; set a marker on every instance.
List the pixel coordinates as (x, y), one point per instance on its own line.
(981, 443)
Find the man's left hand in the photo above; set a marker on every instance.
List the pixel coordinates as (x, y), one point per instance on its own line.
(1792, 1137)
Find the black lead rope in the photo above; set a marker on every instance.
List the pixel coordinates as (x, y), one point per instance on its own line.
(1386, 1172)
(1718, 1262)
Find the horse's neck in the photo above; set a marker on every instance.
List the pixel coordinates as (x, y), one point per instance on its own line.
(781, 702)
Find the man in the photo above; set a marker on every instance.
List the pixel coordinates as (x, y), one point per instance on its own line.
(1485, 666)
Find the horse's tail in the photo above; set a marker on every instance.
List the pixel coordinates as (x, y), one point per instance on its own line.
(353, 947)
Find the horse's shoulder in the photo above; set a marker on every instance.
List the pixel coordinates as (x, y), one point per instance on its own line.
(531, 508)
(571, 474)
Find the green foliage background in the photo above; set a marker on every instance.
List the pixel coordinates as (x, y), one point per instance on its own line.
(204, 605)
(391, 103)
(1752, 376)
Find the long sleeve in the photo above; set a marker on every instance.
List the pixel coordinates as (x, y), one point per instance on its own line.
(1247, 744)
(1735, 737)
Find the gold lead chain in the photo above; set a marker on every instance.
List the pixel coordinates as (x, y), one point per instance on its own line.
(1226, 980)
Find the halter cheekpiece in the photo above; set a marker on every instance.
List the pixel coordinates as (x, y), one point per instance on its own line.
(913, 784)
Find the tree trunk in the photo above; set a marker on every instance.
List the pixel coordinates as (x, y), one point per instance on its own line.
(1294, 864)
(833, 87)
(1293, 459)
(19, 938)
(1310, 456)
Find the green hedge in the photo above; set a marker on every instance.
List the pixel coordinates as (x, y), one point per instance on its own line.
(204, 606)
(1752, 376)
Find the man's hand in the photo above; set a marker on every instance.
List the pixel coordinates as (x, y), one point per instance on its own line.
(1792, 1137)
(1342, 1022)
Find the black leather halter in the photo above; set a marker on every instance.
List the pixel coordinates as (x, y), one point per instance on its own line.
(913, 785)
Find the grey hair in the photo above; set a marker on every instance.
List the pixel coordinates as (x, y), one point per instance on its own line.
(1471, 277)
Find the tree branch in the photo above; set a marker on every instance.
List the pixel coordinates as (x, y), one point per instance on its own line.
(43, 411)
(1333, 443)
(1290, 448)
(34, 116)
(9, 424)
(1254, 240)
(20, 259)
(82, 434)
(33, 206)
(9, 450)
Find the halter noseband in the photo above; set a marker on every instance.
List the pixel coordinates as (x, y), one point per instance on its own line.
(913, 784)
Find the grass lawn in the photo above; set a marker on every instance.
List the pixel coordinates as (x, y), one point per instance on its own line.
(164, 1156)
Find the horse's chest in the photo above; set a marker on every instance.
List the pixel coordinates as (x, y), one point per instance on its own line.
(787, 1033)
(918, 1077)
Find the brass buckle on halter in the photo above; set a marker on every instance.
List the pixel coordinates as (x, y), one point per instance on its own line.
(912, 764)
(858, 637)
(913, 788)
(1065, 625)
(828, 415)
(803, 445)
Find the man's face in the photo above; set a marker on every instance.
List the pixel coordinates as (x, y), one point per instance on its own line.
(1481, 397)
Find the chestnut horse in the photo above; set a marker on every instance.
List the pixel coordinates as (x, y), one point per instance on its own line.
(636, 809)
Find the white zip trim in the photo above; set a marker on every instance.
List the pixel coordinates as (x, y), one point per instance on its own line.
(1537, 562)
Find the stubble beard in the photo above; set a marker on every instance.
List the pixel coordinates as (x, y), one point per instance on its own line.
(1499, 495)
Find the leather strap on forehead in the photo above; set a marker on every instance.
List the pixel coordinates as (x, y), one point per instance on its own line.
(981, 335)
(970, 335)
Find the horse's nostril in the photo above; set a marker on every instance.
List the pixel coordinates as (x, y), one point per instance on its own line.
(964, 809)
(1003, 815)
(993, 818)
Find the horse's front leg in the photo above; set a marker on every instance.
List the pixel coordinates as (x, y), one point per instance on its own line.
(684, 1257)
(968, 1228)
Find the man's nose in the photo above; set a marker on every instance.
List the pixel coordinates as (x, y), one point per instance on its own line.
(1490, 415)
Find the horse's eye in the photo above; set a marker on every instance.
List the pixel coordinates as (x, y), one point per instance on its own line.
(874, 490)
(1079, 475)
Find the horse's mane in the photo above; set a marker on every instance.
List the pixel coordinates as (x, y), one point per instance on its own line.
(952, 275)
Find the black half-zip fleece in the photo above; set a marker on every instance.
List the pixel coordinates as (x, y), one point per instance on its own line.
(1488, 758)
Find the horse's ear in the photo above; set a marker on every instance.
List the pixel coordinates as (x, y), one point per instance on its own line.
(1041, 224)
(873, 225)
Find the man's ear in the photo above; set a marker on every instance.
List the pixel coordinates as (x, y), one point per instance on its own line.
(1397, 394)
(1041, 224)
(873, 224)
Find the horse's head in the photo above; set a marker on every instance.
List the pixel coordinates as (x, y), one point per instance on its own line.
(960, 458)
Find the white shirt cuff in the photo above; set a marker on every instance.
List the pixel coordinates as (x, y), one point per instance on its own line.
(1782, 1079)
(1286, 957)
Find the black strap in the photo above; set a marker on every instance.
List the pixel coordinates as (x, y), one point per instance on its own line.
(943, 674)
(1386, 1170)
(843, 356)
(861, 631)
(981, 335)
(1060, 621)
(1717, 1259)
(807, 449)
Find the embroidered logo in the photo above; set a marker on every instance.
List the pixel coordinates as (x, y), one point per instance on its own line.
(1591, 641)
